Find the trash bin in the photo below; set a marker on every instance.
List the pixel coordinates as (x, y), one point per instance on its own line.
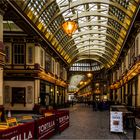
(130, 121)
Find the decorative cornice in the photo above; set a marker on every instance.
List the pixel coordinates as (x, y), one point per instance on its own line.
(52, 79)
(128, 75)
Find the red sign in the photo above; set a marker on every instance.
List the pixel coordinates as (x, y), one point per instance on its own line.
(23, 131)
(62, 119)
(45, 127)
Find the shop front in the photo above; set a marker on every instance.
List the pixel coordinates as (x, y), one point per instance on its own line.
(132, 92)
(60, 96)
(47, 93)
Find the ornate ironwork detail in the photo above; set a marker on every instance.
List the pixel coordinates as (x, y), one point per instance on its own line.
(3, 6)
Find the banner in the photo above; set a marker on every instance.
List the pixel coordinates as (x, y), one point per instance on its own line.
(45, 127)
(62, 120)
(20, 132)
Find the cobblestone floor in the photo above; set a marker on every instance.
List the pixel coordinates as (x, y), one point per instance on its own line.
(88, 124)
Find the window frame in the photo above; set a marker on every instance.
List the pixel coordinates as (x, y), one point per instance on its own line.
(19, 56)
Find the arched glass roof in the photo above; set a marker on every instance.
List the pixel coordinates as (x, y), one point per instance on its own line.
(102, 24)
(74, 81)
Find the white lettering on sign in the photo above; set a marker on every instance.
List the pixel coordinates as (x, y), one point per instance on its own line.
(18, 137)
(116, 117)
(45, 126)
(26, 136)
(64, 118)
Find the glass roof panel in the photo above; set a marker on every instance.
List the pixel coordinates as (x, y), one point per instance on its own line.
(75, 80)
(103, 21)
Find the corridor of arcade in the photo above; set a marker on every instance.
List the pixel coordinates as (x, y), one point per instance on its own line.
(88, 124)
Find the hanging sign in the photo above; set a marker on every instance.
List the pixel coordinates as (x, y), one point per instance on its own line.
(116, 121)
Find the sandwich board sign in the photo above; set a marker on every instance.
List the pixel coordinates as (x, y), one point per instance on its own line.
(116, 121)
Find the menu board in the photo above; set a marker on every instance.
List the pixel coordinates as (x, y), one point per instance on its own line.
(116, 121)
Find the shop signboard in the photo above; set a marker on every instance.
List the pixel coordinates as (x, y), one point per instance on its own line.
(19, 132)
(116, 121)
(45, 127)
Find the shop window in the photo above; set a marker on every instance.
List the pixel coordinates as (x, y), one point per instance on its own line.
(7, 52)
(19, 53)
(7, 94)
(29, 94)
(41, 57)
(57, 68)
(132, 54)
(48, 63)
(53, 67)
(137, 46)
(18, 95)
(30, 55)
(129, 59)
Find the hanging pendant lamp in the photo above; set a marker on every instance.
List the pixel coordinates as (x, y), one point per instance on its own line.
(89, 74)
(70, 26)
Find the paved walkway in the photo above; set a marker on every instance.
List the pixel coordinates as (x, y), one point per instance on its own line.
(88, 124)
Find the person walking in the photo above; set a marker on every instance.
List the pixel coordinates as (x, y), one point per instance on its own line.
(93, 105)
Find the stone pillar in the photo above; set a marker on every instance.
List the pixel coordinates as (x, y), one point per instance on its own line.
(66, 95)
(126, 93)
(56, 92)
(1, 86)
(1, 26)
(114, 95)
(119, 95)
(37, 91)
(138, 92)
(1, 57)
(122, 94)
(133, 93)
(37, 53)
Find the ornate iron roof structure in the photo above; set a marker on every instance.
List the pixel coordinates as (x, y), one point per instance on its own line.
(105, 22)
